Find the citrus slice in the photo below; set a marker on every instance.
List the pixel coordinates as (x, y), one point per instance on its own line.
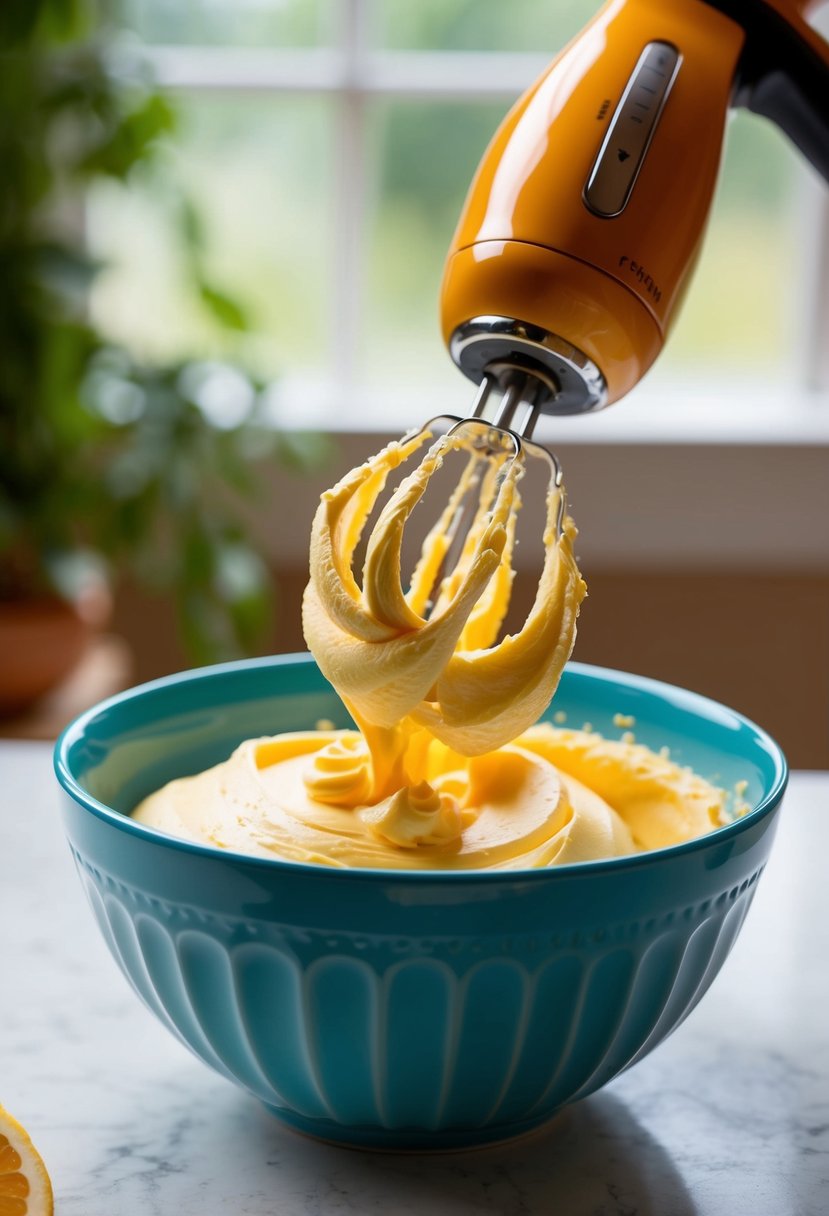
(25, 1189)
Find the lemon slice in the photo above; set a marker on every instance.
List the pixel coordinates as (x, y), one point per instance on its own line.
(25, 1189)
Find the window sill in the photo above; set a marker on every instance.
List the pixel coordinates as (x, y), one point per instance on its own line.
(727, 415)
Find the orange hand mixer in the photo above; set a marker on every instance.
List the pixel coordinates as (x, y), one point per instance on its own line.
(582, 227)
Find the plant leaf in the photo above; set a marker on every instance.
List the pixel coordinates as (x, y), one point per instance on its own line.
(224, 308)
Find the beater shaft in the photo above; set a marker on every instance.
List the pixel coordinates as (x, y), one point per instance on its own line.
(523, 393)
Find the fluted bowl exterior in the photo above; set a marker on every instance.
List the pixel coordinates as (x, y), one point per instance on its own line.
(405, 1009)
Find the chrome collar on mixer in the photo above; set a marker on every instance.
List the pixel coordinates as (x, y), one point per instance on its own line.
(488, 346)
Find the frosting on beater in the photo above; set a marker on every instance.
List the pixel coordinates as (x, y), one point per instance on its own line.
(444, 671)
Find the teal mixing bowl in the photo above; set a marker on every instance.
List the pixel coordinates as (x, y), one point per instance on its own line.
(406, 1010)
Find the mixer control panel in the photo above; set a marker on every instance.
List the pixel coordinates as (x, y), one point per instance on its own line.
(631, 130)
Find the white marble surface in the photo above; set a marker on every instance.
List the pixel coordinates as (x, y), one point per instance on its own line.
(730, 1117)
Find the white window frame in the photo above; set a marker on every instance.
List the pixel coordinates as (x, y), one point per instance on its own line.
(355, 72)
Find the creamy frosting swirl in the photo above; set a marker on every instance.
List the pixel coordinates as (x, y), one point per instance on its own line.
(340, 773)
(553, 796)
(416, 814)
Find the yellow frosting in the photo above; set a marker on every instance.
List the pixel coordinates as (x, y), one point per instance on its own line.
(447, 770)
(387, 660)
(416, 814)
(553, 796)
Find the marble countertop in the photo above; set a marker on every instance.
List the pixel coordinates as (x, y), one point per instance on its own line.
(730, 1117)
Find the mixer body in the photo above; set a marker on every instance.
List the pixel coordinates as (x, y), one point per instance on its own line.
(584, 221)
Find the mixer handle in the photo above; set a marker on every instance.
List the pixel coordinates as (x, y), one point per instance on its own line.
(783, 73)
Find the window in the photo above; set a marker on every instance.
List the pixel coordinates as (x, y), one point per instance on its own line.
(329, 144)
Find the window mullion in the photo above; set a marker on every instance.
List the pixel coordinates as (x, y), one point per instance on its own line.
(196, 69)
(350, 189)
(813, 302)
(816, 293)
(428, 74)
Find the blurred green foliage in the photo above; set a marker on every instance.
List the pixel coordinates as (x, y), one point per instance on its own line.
(107, 463)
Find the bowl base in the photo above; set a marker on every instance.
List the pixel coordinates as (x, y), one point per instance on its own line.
(411, 1139)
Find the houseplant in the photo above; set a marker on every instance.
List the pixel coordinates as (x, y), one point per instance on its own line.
(107, 465)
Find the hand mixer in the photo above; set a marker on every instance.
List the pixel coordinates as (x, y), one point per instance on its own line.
(572, 254)
(584, 221)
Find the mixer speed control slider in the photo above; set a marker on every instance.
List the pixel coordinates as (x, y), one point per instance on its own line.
(631, 130)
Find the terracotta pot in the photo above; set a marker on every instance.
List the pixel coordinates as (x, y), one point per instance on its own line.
(41, 640)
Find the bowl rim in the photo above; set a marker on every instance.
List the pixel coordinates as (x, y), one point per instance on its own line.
(681, 697)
